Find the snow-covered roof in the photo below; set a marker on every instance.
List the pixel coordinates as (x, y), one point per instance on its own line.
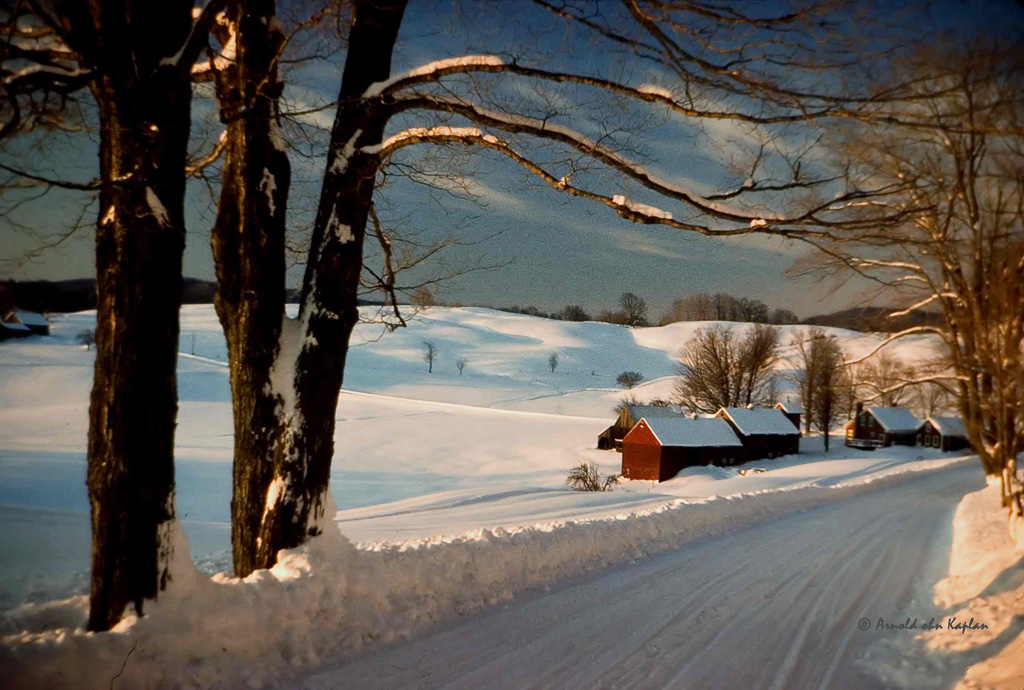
(14, 326)
(761, 421)
(791, 407)
(30, 318)
(693, 433)
(639, 411)
(949, 426)
(895, 419)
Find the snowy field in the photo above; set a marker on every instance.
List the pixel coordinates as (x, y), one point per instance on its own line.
(419, 454)
(450, 491)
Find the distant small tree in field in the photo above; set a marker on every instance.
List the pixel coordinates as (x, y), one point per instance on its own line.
(429, 355)
(87, 338)
(553, 361)
(629, 379)
(460, 364)
(586, 477)
(635, 309)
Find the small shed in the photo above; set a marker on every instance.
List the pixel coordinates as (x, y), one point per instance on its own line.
(35, 323)
(878, 427)
(611, 438)
(947, 433)
(658, 448)
(793, 411)
(766, 432)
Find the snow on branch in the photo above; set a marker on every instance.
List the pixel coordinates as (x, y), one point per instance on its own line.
(920, 305)
(433, 71)
(650, 93)
(522, 124)
(630, 210)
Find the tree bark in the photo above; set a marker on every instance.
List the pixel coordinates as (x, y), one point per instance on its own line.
(145, 116)
(248, 242)
(287, 373)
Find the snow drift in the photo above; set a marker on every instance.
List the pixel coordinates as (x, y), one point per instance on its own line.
(330, 599)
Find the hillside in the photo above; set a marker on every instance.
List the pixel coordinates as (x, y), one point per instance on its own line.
(418, 454)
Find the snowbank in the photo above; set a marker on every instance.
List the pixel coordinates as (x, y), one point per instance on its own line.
(984, 585)
(330, 598)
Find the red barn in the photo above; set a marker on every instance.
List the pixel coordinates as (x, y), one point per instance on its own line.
(658, 448)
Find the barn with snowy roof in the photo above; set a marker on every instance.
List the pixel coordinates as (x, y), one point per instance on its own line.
(629, 415)
(880, 427)
(659, 447)
(766, 432)
(947, 433)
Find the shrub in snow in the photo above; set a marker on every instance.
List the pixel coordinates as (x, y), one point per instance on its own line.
(629, 379)
(585, 477)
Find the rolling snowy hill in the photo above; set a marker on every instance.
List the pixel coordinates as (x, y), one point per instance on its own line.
(418, 454)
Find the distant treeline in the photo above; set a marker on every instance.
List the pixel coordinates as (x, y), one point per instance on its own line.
(80, 294)
(699, 307)
(725, 307)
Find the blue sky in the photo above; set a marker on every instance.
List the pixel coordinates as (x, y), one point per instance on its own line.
(561, 250)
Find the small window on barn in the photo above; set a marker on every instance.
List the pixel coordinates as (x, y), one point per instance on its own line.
(920, 440)
(935, 440)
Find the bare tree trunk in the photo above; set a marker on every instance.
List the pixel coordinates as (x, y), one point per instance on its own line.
(287, 373)
(248, 242)
(145, 118)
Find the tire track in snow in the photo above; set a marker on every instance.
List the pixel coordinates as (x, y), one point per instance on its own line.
(780, 601)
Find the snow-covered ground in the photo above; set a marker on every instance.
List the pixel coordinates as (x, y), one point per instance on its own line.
(493, 456)
(450, 488)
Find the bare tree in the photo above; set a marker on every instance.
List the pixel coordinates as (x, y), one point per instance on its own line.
(429, 355)
(882, 379)
(553, 361)
(828, 382)
(716, 369)
(822, 380)
(87, 338)
(587, 477)
(134, 61)
(460, 364)
(634, 308)
(784, 316)
(614, 317)
(697, 307)
(752, 310)
(757, 357)
(575, 312)
(951, 154)
(629, 379)
(930, 399)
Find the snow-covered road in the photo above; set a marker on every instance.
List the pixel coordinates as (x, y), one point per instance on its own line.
(774, 606)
